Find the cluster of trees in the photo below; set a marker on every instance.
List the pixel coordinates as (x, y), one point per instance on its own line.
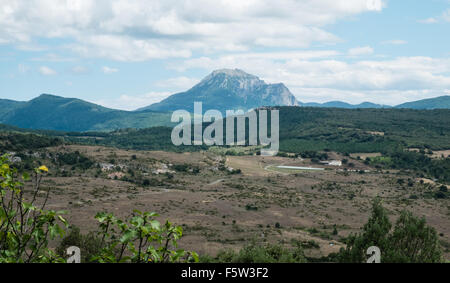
(410, 241)
(21, 142)
(157, 138)
(186, 168)
(75, 159)
(314, 155)
(423, 165)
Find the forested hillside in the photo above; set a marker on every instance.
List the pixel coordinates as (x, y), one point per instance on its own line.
(303, 129)
(52, 112)
(362, 130)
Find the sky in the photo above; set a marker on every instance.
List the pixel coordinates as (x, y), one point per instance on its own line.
(127, 54)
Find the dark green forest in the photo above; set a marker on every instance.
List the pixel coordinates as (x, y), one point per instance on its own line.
(305, 129)
(363, 130)
(317, 129)
(302, 130)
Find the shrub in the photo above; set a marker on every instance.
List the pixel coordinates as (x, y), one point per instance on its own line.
(89, 244)
(25, 227)
(140, 239)
(335, 231)
(251, 207)
(254, 253)
(181, 167)
(76, 159)
(411, 241)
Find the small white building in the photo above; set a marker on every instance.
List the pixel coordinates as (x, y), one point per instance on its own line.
(337, 163)
(107, 166)
(163, 171)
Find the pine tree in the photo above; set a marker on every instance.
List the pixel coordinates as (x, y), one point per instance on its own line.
(412, 241)
(374, 234)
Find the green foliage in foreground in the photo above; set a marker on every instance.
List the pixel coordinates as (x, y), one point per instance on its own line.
(26, 228)
(140, 239)
(89, 244)
(411, 240)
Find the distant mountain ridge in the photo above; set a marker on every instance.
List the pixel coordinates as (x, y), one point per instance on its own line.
(235, 89)
(228, 89)
(442, 102)
(52, 112)
(340, 104)
(7, 105)
(224, 89)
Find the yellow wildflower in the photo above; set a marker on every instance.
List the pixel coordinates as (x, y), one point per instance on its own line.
(43, 168)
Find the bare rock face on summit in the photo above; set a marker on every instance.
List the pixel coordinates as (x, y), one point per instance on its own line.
(228, 89)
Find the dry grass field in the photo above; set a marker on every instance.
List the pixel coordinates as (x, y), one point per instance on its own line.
(219, 209)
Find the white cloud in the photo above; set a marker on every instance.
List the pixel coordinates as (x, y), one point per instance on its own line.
(133, 102)
(395, 42)
(389, 80)
(124, 48)
(51, 57)
(137, 30)
(79, 70)
(446, 16)
(178, 84)
(233, 60)
(46, 71)
(108, 70)
(358, 51)
(31, 47)
(428, 21)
